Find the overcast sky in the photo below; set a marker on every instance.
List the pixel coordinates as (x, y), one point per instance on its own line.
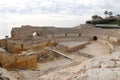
(60, 13)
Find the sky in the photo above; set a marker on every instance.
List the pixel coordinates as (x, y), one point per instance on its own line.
(59, 13)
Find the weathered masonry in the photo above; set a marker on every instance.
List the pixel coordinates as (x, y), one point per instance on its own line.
(29, 32)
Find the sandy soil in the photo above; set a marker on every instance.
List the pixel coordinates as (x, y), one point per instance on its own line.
(95, 49)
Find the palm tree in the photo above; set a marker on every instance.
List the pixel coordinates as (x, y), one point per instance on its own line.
(106, 13)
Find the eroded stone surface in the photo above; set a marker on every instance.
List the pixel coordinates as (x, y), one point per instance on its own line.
(102, 68)
(5, 75)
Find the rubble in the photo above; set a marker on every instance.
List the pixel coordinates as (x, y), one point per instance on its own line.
(5, 75)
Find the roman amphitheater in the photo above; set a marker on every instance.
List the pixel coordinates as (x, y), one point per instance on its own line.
(83, 52)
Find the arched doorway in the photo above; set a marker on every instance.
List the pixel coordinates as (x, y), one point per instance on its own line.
(95, 38)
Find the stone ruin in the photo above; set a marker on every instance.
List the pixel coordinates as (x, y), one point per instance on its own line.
(30, 45)
(30, 32)
(32, 39)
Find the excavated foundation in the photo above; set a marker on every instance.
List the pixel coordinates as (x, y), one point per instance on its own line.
(32, 57)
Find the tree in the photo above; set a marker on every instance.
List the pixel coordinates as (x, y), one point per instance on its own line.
(94, 17)
(118, 15)
(110, 14)
(106, 13)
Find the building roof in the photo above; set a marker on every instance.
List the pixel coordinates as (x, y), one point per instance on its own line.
(108, 25)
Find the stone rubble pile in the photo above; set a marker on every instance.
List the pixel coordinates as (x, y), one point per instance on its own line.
(5, 75)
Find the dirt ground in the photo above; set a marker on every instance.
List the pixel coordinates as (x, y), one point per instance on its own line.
(95, 49)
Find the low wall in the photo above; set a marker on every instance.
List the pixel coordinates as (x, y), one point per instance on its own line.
(10, 61)
(58, 35)
(102, 37)
(3, 43)
(73, 35)
(6, 59)
(67, 35)
(70, 49)
(25, 62)
(16, 47)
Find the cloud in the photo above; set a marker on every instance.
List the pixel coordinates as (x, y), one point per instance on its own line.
(66, 13)
(57, 7)
(64, 7)
(73, 7)
(39, 20)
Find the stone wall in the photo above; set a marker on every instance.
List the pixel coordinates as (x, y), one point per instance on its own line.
(6, 59)
(3, 43)
(58, 35)
(69, 48)
(25, 62)
(16, 47)
(11, 61)
(26, 32)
